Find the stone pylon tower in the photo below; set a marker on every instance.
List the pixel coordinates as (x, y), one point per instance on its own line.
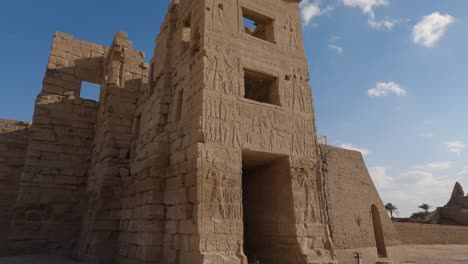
(208, 156)
(226, 165)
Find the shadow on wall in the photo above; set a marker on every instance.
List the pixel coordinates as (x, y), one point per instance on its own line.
(13, 146)
(52, 198)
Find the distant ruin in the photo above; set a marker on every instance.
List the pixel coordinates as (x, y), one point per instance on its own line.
(208, 154)
(455, 212)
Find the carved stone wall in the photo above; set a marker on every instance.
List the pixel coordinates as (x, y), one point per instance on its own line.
(232, 124)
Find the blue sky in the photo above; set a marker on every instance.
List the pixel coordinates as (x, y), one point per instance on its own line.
(389, 77)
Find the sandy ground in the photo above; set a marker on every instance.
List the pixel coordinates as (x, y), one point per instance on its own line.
(438, 254)
(433, 254)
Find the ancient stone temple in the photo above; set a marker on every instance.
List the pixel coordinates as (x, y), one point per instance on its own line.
(209, 154)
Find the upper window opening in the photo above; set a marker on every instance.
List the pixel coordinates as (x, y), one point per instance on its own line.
(258, 25)
(90, 91)
(187, 33)
(261, 87)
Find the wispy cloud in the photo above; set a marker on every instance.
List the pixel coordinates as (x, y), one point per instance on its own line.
(430, 29)
(364, 151)
(455, 146)
(426, 135)
(386, 23)
(333, 45)
(463, 172)
(380, 177)
(367, 7)
(384, 89)
(435, 166)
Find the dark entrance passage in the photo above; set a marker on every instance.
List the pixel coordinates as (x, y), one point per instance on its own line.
(268, 214)
(378, 232)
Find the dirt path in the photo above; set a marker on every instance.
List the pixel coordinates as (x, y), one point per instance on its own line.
(438, 254)
(420, 254)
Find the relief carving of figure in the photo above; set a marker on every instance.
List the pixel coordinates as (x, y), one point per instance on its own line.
(223, 70)
(299, 93)
(216, 198)
(307, 186)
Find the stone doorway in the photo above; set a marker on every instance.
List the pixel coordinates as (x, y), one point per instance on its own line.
(378, 232)
(268, 210)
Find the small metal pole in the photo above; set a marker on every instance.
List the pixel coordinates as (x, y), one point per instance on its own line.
(358, 258)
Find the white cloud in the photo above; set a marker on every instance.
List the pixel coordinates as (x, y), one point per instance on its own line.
(380, 177)
(431, 29)
(367, 7)
(415, 177)
(433, 166)
(309, 11)
(384, 89)
(364, 151)
(455, 146)
(332, 44)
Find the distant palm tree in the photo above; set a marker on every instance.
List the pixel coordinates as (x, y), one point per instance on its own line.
(392, 209)
(425, 207)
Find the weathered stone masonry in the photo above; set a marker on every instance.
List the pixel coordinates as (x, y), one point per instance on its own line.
(207, 155)
(13, 143)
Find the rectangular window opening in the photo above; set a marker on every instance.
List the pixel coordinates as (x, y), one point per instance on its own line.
(90, 91)
(180, 100)
(187, 33)
(136, 128)
(258, 25)
(261, 87)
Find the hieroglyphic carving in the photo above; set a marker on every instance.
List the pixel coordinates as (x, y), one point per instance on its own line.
(222, 70)
(218, 12)
(290, 28)
(301, 94)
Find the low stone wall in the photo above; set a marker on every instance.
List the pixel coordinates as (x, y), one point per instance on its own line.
(457, 215)
(13, 144)
(422, 234)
